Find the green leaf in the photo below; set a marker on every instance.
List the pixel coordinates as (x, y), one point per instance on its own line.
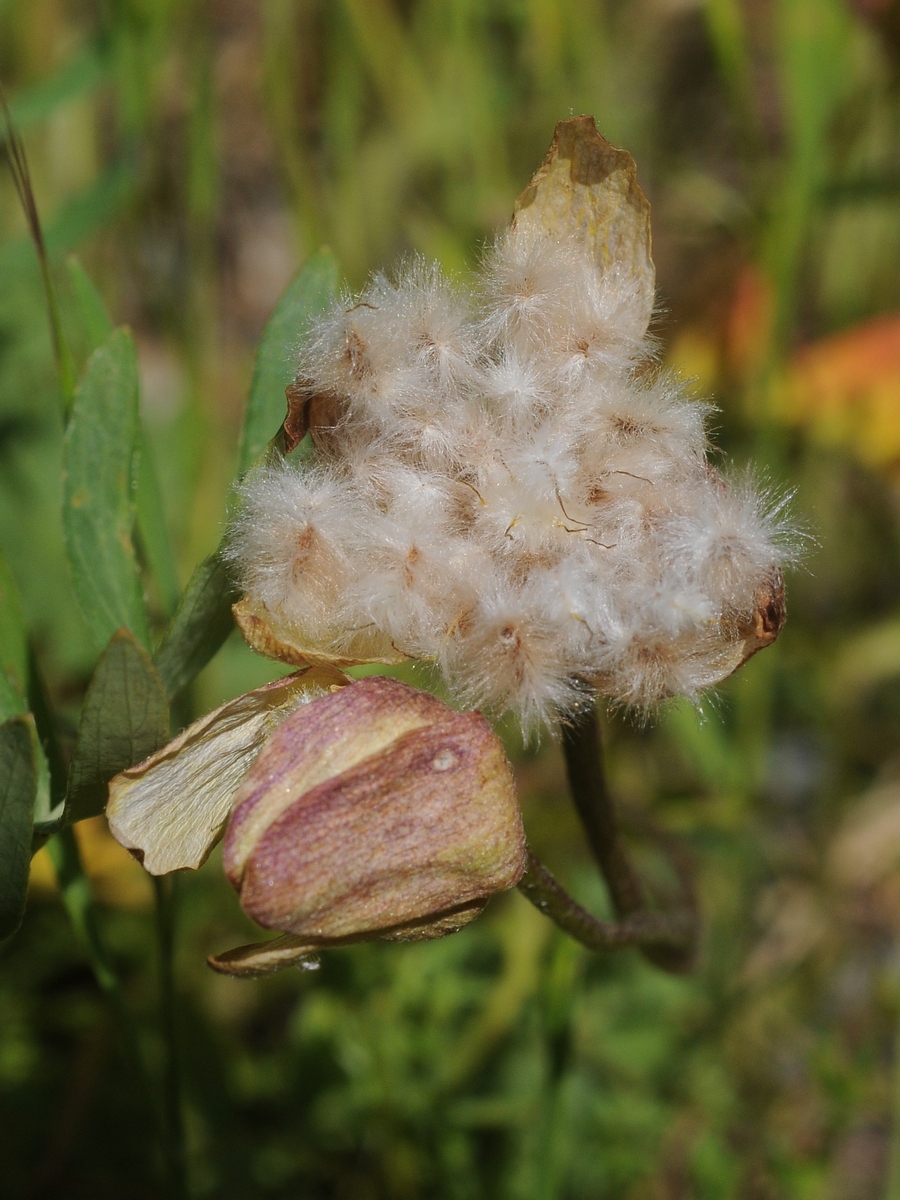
(95, 319)
(124, 719)
(151, 520)
(307, 295)
(156, 544)
(201, 624)
(18, 788)
(98, 491)
(13, 648)
(16, 676)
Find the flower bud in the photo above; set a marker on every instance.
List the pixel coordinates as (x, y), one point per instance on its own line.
(376, 810)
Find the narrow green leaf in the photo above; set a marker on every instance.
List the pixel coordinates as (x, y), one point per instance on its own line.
(201, 624)
(95, 319)
(98, 491)
(16, 675)
(153, 530)
(305, 297)
(124, 719)
(13, 647)
(18, 788)
(154, 534)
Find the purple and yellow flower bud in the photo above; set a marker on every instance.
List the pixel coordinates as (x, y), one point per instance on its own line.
(375, 808)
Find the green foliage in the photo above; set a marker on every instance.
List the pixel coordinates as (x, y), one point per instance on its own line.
(200, 625)
(197, 158)
(13, 647)
(18, 792)
(124, 718)
(306, 296)
(99, 464)
(151, 519)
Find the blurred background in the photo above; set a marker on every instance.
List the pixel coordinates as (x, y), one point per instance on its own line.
(193, 153)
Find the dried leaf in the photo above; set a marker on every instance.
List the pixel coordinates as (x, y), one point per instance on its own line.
(586, 189)
(291, 950)
(767, 622)
(264, 958)
(309, 409)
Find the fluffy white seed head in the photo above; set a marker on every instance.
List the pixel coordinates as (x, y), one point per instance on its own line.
(513, 491)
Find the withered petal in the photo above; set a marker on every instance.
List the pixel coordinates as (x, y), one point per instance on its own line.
(171, 809)
(312, 747)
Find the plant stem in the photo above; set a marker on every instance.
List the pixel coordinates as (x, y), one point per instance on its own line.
(78, 900)
(79, 905)
(667, 939)
(173, 1123)
(590, 794)
(665, 932)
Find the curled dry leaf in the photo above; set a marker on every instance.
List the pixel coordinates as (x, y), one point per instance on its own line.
(294, 950)
(309, 410)
(171, 809)
(767, 621)
(586, 189)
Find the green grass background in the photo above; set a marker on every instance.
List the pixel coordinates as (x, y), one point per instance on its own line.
(194, 153)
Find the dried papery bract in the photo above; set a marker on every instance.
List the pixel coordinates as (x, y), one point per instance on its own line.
(503, 481)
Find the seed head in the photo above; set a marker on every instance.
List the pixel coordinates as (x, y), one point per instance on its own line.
(504, 483)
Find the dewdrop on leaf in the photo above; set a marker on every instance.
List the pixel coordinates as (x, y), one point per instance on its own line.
(504, 483)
